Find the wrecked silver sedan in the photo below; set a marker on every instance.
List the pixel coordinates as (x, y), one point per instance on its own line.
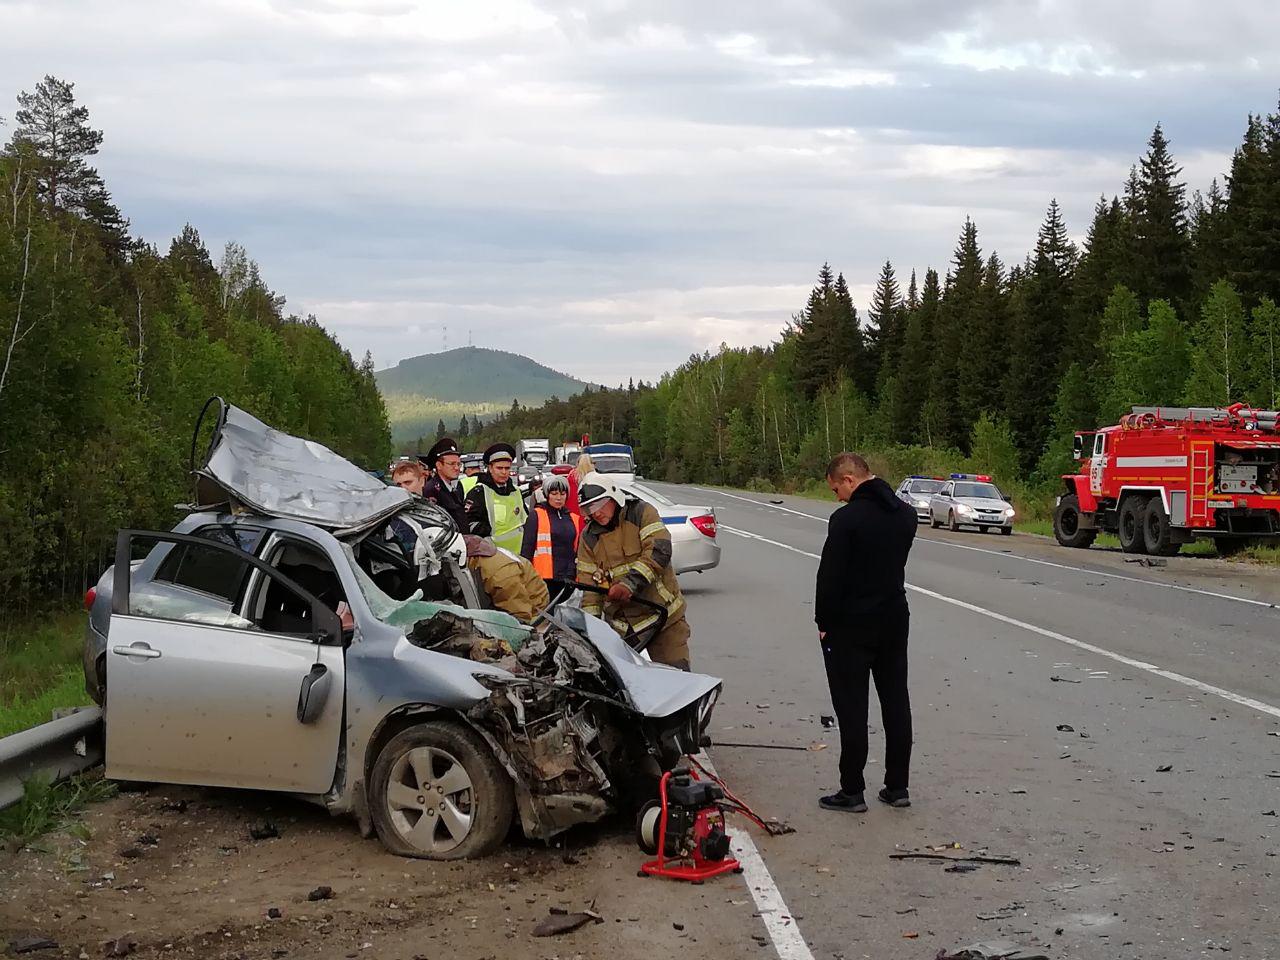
(270, 642)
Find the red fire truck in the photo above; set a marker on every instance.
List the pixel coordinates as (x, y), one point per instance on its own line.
(1166, 475)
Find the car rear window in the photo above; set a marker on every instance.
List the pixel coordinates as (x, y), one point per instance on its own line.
(213, 572)
(926, 486)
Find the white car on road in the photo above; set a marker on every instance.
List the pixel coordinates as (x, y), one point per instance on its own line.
(966, 500)
(693, 530)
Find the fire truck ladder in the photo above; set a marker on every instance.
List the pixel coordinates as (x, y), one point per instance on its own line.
(1201, 480)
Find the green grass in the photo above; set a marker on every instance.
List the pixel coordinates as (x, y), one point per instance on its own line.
(45, 807)
(39, 672)
(40, 669)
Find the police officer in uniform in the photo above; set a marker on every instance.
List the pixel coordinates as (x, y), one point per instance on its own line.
(445, 488)
(626, 547)
(495, 505)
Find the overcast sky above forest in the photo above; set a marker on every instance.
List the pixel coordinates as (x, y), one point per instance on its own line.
(611, 185)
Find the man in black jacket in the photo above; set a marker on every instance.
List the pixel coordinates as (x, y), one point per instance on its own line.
(862, 616)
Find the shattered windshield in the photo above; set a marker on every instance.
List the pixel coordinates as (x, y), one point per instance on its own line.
(406, 613)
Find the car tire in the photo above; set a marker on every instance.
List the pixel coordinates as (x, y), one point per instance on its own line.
(1129, 525)
(1066, 524)
(1006, 531)
(952, 525)
(933, 524)
(1157, 534)
(453, 766)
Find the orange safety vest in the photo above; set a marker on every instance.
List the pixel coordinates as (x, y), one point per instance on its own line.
(542, 562)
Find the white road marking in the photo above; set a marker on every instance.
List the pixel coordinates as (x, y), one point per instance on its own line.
(782, 926)
(1151, 668)
(1017, 556)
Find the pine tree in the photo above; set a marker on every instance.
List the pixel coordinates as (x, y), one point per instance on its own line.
(1209, 231)
(464, 428)
(1162, 247)
(1103, 265)
(913, 293)
(441, 430)
(907, 415)
(951, 406)
(1251, 257)
(56, 132)
(814, 329)
(850, 356)
(884, 335)
(1036, 357)
(983, 369)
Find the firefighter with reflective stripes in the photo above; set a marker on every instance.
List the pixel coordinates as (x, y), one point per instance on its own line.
(626, 547)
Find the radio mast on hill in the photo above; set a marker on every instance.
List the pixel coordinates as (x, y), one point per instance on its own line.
(446, 336)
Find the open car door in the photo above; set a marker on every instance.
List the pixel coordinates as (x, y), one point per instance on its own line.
(222, 671)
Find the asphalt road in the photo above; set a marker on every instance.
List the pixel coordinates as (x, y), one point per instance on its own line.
(1049, 688)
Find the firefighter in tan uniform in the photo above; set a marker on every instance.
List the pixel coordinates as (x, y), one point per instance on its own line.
(627, 548)
(510, 581)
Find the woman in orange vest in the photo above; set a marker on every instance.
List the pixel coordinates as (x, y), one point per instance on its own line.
(551, 534)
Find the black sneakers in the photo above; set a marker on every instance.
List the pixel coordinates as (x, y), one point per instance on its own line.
(894, 798)
(848, 802)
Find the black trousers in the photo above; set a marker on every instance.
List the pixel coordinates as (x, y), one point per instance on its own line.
(877, 650)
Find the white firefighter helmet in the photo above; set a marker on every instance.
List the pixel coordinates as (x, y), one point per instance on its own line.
(596, 487)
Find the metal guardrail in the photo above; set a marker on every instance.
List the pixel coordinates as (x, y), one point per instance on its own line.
(57, 749)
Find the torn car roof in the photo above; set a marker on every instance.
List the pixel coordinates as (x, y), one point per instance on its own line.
(280, 475)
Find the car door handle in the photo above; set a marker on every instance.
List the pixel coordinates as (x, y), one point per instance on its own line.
(135, 650)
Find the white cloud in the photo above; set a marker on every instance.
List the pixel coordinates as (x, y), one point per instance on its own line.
(667, 174)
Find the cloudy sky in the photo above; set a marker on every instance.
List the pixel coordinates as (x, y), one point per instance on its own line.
(610, 185)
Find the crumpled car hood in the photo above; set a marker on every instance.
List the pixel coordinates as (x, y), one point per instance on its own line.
(285, 476)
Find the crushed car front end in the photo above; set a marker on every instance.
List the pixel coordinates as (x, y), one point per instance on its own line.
(577, 719)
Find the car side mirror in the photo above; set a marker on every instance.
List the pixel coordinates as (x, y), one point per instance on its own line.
(314, 693)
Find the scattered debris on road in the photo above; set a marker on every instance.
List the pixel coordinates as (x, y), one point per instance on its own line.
(1066, 728)
(1164, 768)
(1057, 679)
(561, 921)
(320, 893)
(274, 913)
(829, 721)
(32, 943)
(962, 868)
(992, 950)
(120, 947)
(264, 831)
(973, 858)
(131, 853)
(1147, 561)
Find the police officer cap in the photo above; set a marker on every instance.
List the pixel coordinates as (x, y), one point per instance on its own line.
(443, 447)
(499, 451)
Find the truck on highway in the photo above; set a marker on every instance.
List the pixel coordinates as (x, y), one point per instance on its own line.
(1164, 476)
(531, 457)
(615, 459)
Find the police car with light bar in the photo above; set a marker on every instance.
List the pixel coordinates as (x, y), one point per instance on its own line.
(916, 491)
(971, 500)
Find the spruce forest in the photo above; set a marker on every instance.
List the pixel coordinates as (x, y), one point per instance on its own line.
(109, 349)
(983, 363)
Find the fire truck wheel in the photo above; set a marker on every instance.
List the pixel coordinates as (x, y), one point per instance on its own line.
(1066, 524)
(1156, 533)
(1129, 526)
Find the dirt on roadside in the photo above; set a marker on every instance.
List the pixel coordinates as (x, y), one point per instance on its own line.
(175, 871)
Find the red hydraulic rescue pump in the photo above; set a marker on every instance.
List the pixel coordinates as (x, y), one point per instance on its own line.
(1164, 476)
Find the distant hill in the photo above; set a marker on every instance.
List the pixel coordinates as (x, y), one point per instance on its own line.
(472, 381)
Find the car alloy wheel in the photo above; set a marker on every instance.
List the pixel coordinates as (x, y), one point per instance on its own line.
(430, 799)
(437, 791)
